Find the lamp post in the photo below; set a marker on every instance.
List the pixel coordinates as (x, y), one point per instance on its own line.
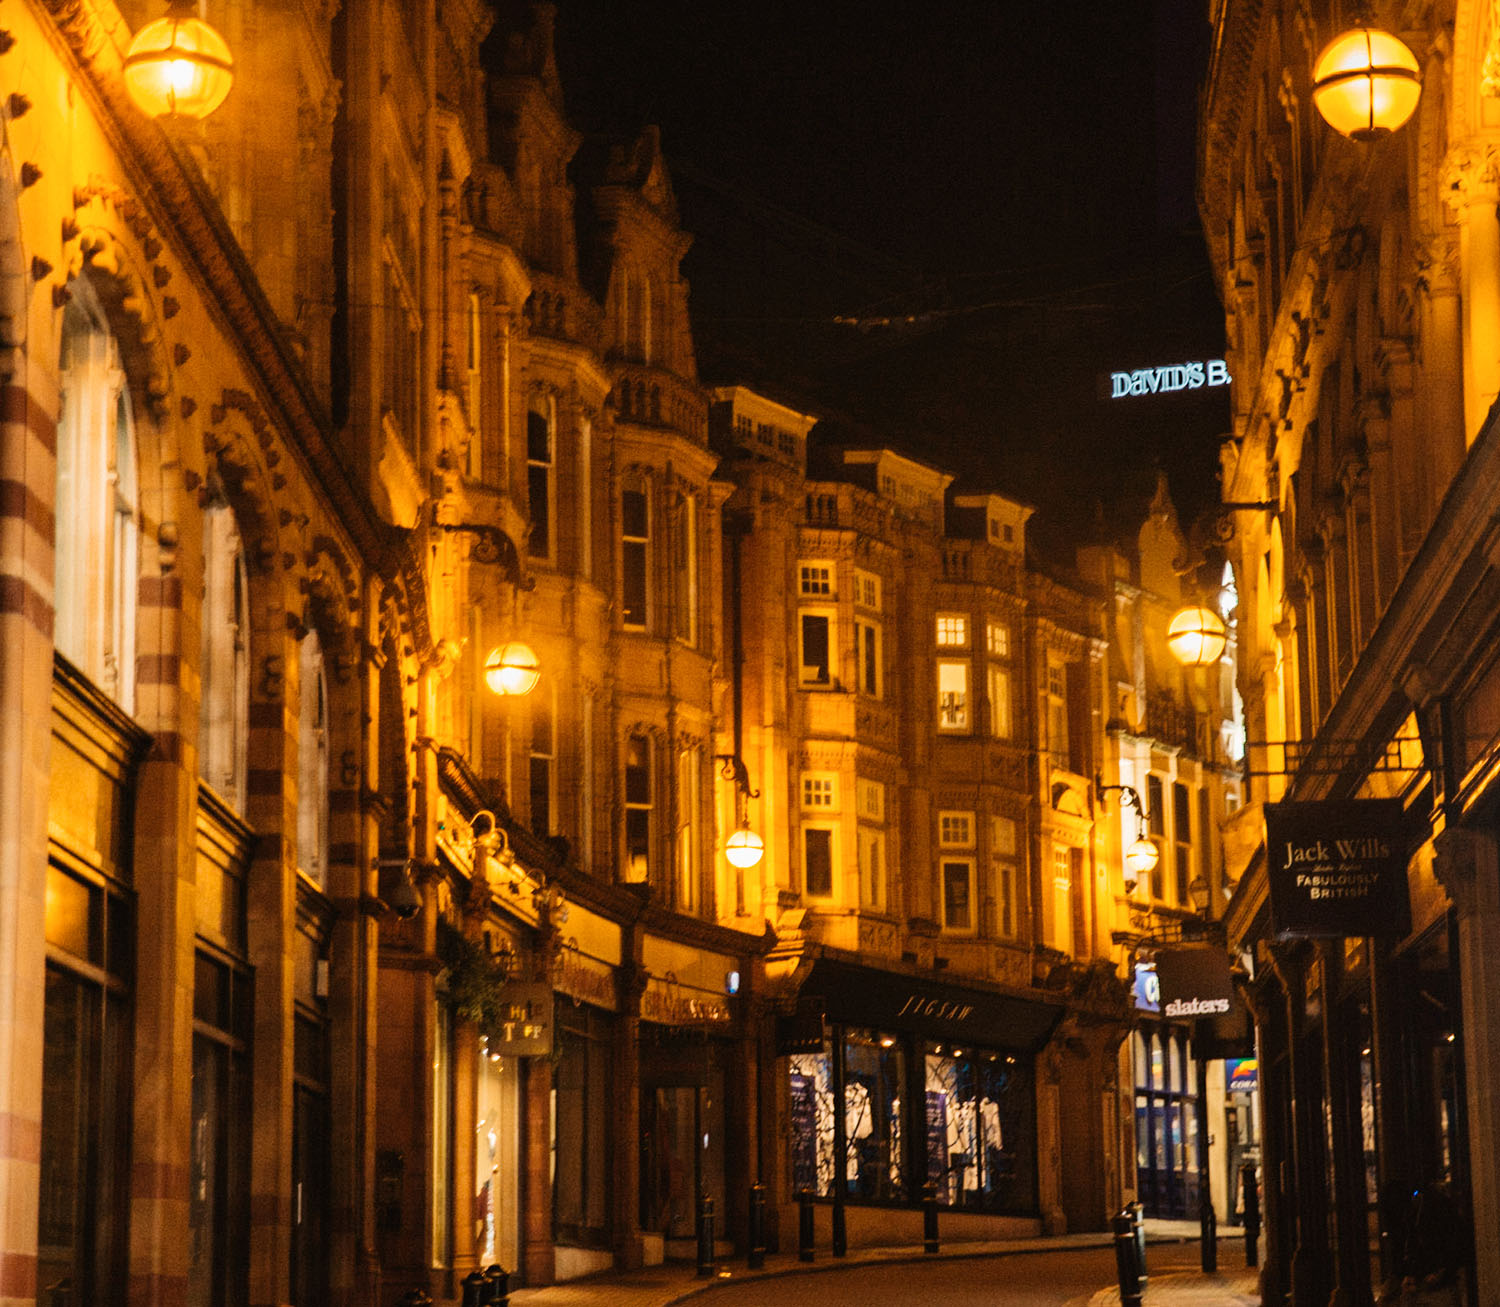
(512, 669)
(1366, 83)
(178, 66)
(1142, 855)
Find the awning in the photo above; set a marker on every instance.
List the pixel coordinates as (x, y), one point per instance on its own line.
(924, 1005)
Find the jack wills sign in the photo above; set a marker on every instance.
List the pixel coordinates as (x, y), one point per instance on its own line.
(1337, 868)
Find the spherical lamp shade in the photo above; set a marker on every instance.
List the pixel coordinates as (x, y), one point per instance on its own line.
(744, 848)
(178, 65)
(1140, 860)
(1196, 636)
(512, 669)
(1366, 83)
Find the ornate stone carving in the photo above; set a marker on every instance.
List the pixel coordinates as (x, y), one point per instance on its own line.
(1470, 175)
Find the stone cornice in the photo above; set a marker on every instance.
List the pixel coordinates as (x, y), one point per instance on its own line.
(190, 216)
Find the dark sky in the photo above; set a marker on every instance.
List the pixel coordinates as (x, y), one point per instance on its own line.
(944, 219)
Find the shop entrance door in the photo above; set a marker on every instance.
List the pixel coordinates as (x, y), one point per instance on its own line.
(682, 1155)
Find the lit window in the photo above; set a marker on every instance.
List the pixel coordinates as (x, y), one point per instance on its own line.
(999, 693)
(953, 695)
(867, 590)
(97, 507)
(817, 650)
(1003, 870)
(956, 830)
(635, 541)
(997, 639)
(638, 808)
(689, 790)
(871, 800)
(815, 580)
(475, 390)
(958, 894)
(952, 631)
(818, 791)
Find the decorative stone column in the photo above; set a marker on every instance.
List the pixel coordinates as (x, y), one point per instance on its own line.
(1469, 174)
(1468, 865)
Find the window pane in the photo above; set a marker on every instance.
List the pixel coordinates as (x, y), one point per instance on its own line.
(633, 513)
(633, 583)
(957, 905)
(817, 848)
(815, 669)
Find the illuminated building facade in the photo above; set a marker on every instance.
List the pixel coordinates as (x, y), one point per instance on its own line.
(1359, 281)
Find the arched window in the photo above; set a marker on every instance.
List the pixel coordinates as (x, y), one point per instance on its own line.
(312, 761)
(98, 503)
(224, 712)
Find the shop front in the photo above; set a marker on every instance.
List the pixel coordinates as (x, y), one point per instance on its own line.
(896, 1083)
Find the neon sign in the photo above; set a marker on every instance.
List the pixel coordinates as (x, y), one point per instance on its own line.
(1168, 378)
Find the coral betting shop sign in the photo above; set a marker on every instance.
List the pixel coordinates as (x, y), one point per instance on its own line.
(1168, 378)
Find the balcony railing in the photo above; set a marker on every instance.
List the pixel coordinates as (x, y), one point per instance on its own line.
(653, 397)
(560, 310)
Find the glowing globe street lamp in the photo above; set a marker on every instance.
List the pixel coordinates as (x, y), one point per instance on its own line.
(178, 65)
(1196, 636)
(744, 849)
(1366, 83)
(1140, 861)
(512, 669)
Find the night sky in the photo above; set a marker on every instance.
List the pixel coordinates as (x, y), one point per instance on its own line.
(942, 223)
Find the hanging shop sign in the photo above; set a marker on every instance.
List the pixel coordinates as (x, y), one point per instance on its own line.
(1147, 988)
(1193, 983)
(1241, 1075)
(1168, 378)
(1337, 868)
(524, 1025)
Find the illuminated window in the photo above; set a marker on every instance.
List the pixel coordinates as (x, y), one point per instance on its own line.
(312, 761)
(997, 639)
(638, 808)
(818, 791)
(872, 869)
(1003, 870)
(689, 774)
(956, 830)
(224, 708)
(815, 580)
(958, 894)
(867, 590)
(952, 631)
(999, 696)
(871, 800)
(475, 388)
(953, 695)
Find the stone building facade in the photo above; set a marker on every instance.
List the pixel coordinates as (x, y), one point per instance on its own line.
(1360, 292)
(329, 974)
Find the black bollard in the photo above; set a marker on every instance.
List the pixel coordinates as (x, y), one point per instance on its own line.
(1127, 1260)
(497, 1284)
(1208, 1235)
(474, 1289)
(840, 1239)
(1138, 1217)
(929, 1219)
(757, 1255)
(804, 1225)
(705, 1237)
(1250, 1189)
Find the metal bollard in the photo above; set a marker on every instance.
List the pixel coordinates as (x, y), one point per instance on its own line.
(1128, 1267)
(929, 1219)
(1138, 1215)
(497, 1282)
(757, 1241)
(804, 1225)
(1208, 1235)
(705, 1237)
(474, 1289)
(840, 1239)
(1250, 1188)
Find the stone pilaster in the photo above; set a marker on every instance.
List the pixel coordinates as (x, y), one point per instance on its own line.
(1468, 865)
(1473, 190)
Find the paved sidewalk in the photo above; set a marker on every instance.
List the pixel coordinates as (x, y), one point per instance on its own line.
(663, 1286)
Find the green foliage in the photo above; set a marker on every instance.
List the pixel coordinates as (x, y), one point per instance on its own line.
(475, 979)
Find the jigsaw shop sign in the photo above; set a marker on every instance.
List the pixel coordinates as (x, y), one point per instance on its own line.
(1168, 379)
(1337, 868)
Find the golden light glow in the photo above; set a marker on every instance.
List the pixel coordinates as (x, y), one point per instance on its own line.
(178, 65)
(744, 848)
(512, 669)
(1366, 83)
(1196, 636)
(1140, 860)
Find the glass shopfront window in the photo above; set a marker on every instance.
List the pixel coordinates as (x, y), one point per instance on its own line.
(497, 1161)
(582, 1101)
(81, 1247)
(980, 1120)
(874, 1086)
(1166, 1122)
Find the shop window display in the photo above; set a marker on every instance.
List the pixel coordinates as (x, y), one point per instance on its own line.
(980, 1134)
